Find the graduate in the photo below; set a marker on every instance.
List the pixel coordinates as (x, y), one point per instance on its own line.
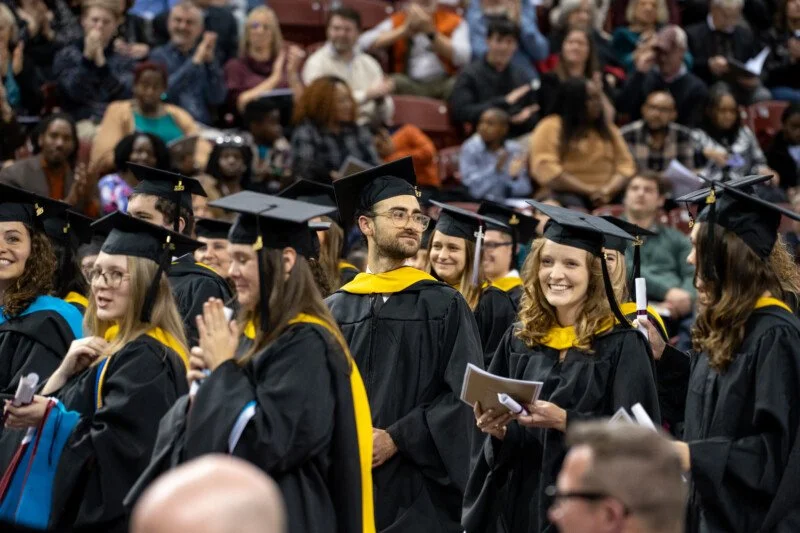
(741, 427)
(566, 338)
(35, 329)
(293, 404)
(214, 252)
(412, 338)
(165, 199)
(501, 247)
(114, 385)
(67, 233)
(337, 270)
(455, 255)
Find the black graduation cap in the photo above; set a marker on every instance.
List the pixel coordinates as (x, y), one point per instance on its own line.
(311, 192)
(621, 245)
(176, 188)
(426, 235)
(271, 222)
(137, 238)
(69, 228)
(700, 195)
(585, 232)
(361, 191)
(457, 222)
(520, 226)
(18, 205)
(210, 228)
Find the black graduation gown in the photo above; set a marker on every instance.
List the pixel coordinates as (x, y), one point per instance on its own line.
(506, 490)
(741, 427)
(192, 285)
(303, 433)
(110, 446)
(347, 273)
(412, 351)
(37, 341)
(494, 314)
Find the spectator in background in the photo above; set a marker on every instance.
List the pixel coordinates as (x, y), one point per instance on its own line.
(134, 36)
(494, 81)
(733, 149)
(784, 153)
(265, 63)
(533, 46)
(409, 140)
(230, 163)
(492, 167)
(661, 68)
(11, 58)
(326, 131)
(792, 237)
(645, 18)
(576, 152)
(670, 279)
(51, 171)
(720, 38)
(10, 131)
(428, 45)
(196, 82)
(215, 19)
(577, 59)
(580, 14)
(656, 139)
(147, 113)
(272, 166)
(341, 57)
(782, 69)
(140, 148)
(91, 74)
(634, 475)
(596, 12)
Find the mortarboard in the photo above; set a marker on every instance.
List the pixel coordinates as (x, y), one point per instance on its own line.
(585, 232)
(621, 245)
(361, 191)
(521, 227)
(137, 238)
(271, 222)
(311, 192)
(210, 228)
(69, 228)
(457, 222)
(176, 188)
(18, 205)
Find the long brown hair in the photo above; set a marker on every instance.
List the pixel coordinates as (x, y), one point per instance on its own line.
(287, 298)
(318, 103)
(36, 279)
(538, 317)
(164, 314)
(741, 279)
(330, 253)
(471, 292)
(619, 278)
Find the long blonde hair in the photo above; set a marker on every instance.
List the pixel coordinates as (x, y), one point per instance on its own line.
(471, 292)
(164, 314)
(538, 317)
(275, 29)
(619, 278)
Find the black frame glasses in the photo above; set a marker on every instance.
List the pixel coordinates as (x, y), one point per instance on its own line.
(401, 218)
(111, 278)
(496, 245)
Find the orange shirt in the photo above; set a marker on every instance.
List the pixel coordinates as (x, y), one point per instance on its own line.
(409, 140)
(55, 179)
(446, 23)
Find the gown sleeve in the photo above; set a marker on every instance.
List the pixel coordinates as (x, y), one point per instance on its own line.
(494, 314)
(111, 447)
(724, 467)
(425, 435)
(295, 403)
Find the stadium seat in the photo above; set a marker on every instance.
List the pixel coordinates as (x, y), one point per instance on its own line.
(373, 12)
(764, 118)
(429, 115)
(302, 21)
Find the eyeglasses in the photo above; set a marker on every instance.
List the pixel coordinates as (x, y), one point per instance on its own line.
(400, 218)
(495, 245)
(558, 496)
(112, 279)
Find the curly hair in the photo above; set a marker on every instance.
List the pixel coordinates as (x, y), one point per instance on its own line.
(124, 149)
(727, 302)
(37, 278)
(538, 317)
(318, 102)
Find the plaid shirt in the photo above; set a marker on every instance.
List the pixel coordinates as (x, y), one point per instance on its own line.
(317, 151)
(680, 144)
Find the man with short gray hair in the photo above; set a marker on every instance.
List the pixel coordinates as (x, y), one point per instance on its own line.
(618, 478)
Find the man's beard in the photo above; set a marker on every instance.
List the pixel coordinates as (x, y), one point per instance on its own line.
(391, 247)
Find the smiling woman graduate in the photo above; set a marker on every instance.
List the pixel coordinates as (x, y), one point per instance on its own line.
(35, 329)
(590, 367)
(110, 391)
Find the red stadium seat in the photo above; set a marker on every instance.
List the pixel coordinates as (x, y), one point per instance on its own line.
(429, 115)
(373, 12)
(448, 164)
(302, 21)
(764, 118)
(613, 210)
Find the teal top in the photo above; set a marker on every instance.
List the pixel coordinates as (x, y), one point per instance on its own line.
(163, 127)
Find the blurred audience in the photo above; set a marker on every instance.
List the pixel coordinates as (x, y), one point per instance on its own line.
(428, 45)
(272, 166)
(265, 62)
(134, 36)
(231, 164)
(326, 132)
(341, 57)
(216, 19)
(580, 14)
(409, 140)
(196, 82)
(784, 153)
(782, 69)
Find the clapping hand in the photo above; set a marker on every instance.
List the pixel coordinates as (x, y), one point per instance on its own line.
(219, 337)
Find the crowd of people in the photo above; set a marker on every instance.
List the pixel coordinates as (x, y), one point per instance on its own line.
(216, 242)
